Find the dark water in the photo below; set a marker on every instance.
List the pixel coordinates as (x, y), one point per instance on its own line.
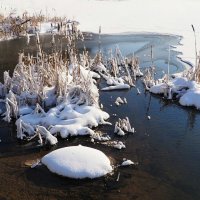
(167, 146)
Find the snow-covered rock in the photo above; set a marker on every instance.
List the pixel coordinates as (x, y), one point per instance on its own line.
(78, 162)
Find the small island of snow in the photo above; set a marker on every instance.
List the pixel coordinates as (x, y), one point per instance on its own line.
(78, 162)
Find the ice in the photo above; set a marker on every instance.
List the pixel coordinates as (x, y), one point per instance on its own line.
(78, 162)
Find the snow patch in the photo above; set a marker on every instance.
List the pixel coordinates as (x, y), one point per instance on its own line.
(127, 162)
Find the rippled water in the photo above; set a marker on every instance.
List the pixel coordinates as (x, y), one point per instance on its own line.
(167, 146)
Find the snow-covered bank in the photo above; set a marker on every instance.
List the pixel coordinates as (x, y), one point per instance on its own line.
(160, 16)
(78, 162)
(51, 95)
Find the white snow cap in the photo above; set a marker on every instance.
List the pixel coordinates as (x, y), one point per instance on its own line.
(78, 162)
(127, 162)
(188, 91)
(191, 98)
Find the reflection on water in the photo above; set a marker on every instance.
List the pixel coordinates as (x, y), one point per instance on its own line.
(167, 146)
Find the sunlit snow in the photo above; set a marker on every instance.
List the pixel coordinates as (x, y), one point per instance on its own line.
(78, 162)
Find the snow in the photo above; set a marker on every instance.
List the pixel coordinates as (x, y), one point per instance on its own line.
(78, 162)
(119, 145)
(46, 28)
(100, 136)
(68, 106)
(119, 101)
(188, 91)
(138, 91)
(191, 98)
(24, 110)
(122, 126)
(47, 135)
(127, 162)
(116, 87)
(158, 89)
(115, 83)
(115, 144)
(67, 120)
(99, 68)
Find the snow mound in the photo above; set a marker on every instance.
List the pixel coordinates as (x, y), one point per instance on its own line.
(191, 98)
(78, 162)
(127, 162)
(158, 89)
(187, 91)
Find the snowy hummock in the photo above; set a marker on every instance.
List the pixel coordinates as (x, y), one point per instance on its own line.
(65, 119)
(158, 88)
(78, 162)
(191, 98)
(188, 92)
(127, 162)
